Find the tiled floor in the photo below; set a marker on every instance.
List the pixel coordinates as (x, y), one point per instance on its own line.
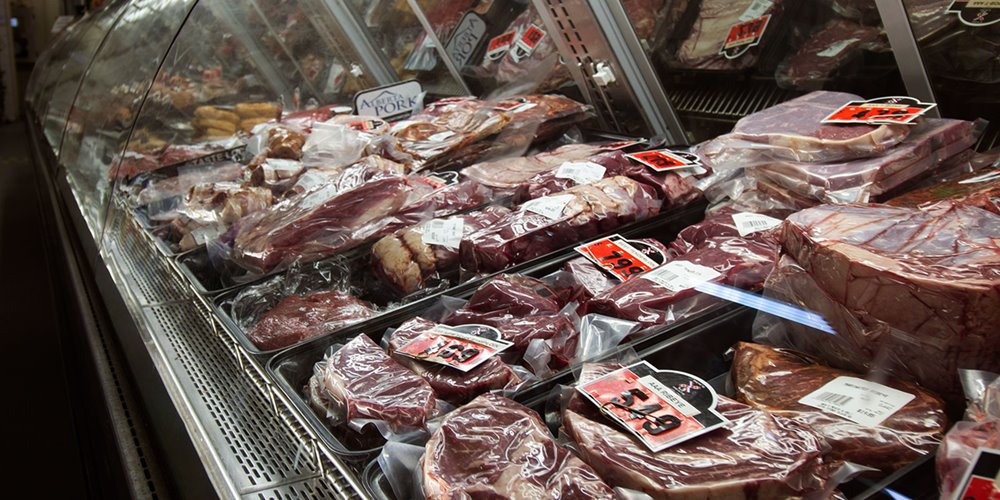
(40, 444)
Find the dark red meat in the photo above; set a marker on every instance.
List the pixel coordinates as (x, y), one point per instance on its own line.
(298, 318)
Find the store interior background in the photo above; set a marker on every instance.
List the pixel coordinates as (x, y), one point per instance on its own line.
(50, 447)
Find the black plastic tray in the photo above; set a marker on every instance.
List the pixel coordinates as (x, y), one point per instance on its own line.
(664, 227)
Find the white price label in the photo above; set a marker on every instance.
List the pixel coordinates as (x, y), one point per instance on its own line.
(549, 206)
(860, 401)
(680, 275)
(756, 9)
(748, 223)
(444, 232)
(836, 48)
(584, 172)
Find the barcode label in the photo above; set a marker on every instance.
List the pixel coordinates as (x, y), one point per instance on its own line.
(748, 223)
(680, 275)
(858, 400)
(552, 207)
(756, 9)
(581, 172)
(444, 232)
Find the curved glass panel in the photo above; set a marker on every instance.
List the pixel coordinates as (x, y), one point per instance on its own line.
(109, 98)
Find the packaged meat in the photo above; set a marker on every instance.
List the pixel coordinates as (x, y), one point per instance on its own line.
(275, 174)
(171, 155)
(826, 51)
(507, 174)
(793, 131)
(912, 292)
(410, 258)
(699, 47)
(979, 430)
(588, 280)
(209, 209)
(359, 384)
(324, 222)
(450, 384)
(978, 189)
(757, 455)
(549, 223)
(661, 296)
(778, 381)
(494, 447)
(931, 142)
(299, 318)
(339, 179)
(540, 71)
(161, 189)
(284, 144)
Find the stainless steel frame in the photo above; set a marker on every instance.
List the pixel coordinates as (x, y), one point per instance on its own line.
(595, 38)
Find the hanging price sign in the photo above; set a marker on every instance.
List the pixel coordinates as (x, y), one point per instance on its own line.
(744, 35)
(883, 110)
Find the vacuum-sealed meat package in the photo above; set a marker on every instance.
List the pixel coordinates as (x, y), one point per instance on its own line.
(978, 189)
(507, 174)
(979, 430)
(549, 223)
(908, 421)
(297, 318)
(699, 48)
(913, 292)
(588, 280)
(496, 448)
(826, 51)
(359, 383)
(410, 258)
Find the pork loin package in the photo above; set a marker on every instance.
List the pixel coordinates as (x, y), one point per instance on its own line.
(549, 223)
(793, 131)
(769, 455)
(208, 210)
(414, 258)
(306, 302)
(783, 382)
(359, 384)
(735, 249)
(980, 429)
(913, 292)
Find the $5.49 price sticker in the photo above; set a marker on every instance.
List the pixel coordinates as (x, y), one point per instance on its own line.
(883, 110)
(622, 258)
(463, 348)
(661, 408)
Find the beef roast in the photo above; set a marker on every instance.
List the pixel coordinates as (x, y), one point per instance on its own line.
(405, 262)
(587, 211)
(496, 448)
(793, 131)
(450, 384)
(758, 455)
(776, 379)
(825, 51)
(298, 318)
(360, 382)
(916, 292)
(699, 49)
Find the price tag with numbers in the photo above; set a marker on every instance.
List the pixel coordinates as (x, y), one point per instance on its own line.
(858, 400)
(883, 110)
(461, 347)
(622, 258)
(744, 35)
(527, 44)
(663, 160)
(499, 45)
(660, 407)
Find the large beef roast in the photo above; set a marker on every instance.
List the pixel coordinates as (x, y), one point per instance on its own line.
(776, 379)
(361, 382)
(301, 317)
(496, 448)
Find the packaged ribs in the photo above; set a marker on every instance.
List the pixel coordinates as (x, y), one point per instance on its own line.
(908, 421)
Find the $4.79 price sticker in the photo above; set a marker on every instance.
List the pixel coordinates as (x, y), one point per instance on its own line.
(464, 347)
(622, 258)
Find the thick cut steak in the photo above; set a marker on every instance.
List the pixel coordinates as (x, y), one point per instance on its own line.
(450, 384)
(587, 211)
(405, 262)
(758, 455)
(912, 291)
(793, 131)
(361, 382)
(298, 318)
(496, 448)
(776, 379)
(826, 51)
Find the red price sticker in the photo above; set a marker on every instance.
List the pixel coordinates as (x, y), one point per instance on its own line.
(982, 477)
(366, 125)
(661, 408)
(744, 35)
(622, 258)
(499, 45)
(883, 110)
(527, 43)
(663, 160)
(462, 348)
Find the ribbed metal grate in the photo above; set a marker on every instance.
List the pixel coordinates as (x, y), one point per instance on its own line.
(728, 102)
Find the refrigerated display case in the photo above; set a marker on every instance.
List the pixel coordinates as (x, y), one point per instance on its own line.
(206, 170)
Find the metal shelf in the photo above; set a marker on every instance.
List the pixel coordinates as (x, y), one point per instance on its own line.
(249, 441)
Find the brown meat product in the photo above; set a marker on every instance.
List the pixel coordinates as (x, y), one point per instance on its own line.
(405, 262)
(340, 179)
(450, 384)
(510, 173)
(496, 448)
(776, 379)
(444, 128)
(977, 189)
(700, 48)
(914, 292)
(361, 382)
(758, 455)
(793, 131)
(826, 51)
(299, 318)
(178, 185)
(284, 144)
(211, 208)
(589, 210)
